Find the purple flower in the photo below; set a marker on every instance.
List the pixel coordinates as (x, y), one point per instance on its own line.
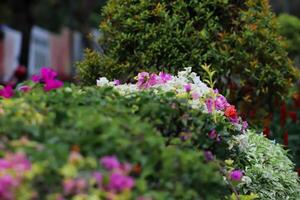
(244, 125)
(69, 186)
(7, 92)
(236, 175)
(99, 178)
(110, 162)
(208, 155)
(52, 85)
(117, 82)
(146, 80)
(212, 134)
(187, 87)
(221, 103)
(164, 77)
(7, 184)
(119, 182)
(209, 104)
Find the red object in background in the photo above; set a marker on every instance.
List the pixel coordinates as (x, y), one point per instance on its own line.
(286, 138)
(293, 116)
(21, 72)
(298, 170)
(283, 114)
(296, 99)
(252, 113)
(266, 132)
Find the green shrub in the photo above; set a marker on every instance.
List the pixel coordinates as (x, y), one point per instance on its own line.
(102, 121)
(290, 29)
(268, 168)
(98, 123)
(239, 39)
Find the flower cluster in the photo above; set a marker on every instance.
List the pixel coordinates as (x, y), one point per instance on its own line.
(48, 77)
(112, 179)
(7, 92)
(186, 84)
(13, 168)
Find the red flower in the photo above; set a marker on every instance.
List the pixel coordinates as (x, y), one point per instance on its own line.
(266, 132)
(286, 138)
(230, 112)
(293, 116)
(283, 114)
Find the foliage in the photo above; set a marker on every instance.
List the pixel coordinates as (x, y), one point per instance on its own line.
(290, 29)
(239, 39)
(100, 126)
(181, 138)
(262, 175)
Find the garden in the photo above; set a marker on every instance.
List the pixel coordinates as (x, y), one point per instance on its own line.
(189, 100)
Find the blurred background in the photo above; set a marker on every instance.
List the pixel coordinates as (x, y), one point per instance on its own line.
(35, 33)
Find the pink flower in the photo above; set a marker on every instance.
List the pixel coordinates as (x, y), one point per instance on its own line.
(195, 95)
(110, 162)
(119, 182)
(164, 77)
(117, 82)
(98, 177)
(81, 185)
(208, 155)
(24, 88)
(146, 80)
(209, 104)
(187, 87)
(52, 85)
(236, 175)
(69, 186)
(7, 92)
(47, 74)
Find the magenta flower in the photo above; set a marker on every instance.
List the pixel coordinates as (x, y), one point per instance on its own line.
(208, 155)
(209, 104)
(110, 162)
(213, 134)
(164, 77)
(236, 175)
(52, 85)
(7, 92)
(81, 185)
(7, 185)
(47, 74)
(187, 87)
(36, 78)
(119, 182)
(117, 82)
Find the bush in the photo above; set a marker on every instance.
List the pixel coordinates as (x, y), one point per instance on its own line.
(97, 124)
(161, 126)
(290, 29)
(239, 39)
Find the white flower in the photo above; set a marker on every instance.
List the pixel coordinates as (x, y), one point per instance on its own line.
(102, 81)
